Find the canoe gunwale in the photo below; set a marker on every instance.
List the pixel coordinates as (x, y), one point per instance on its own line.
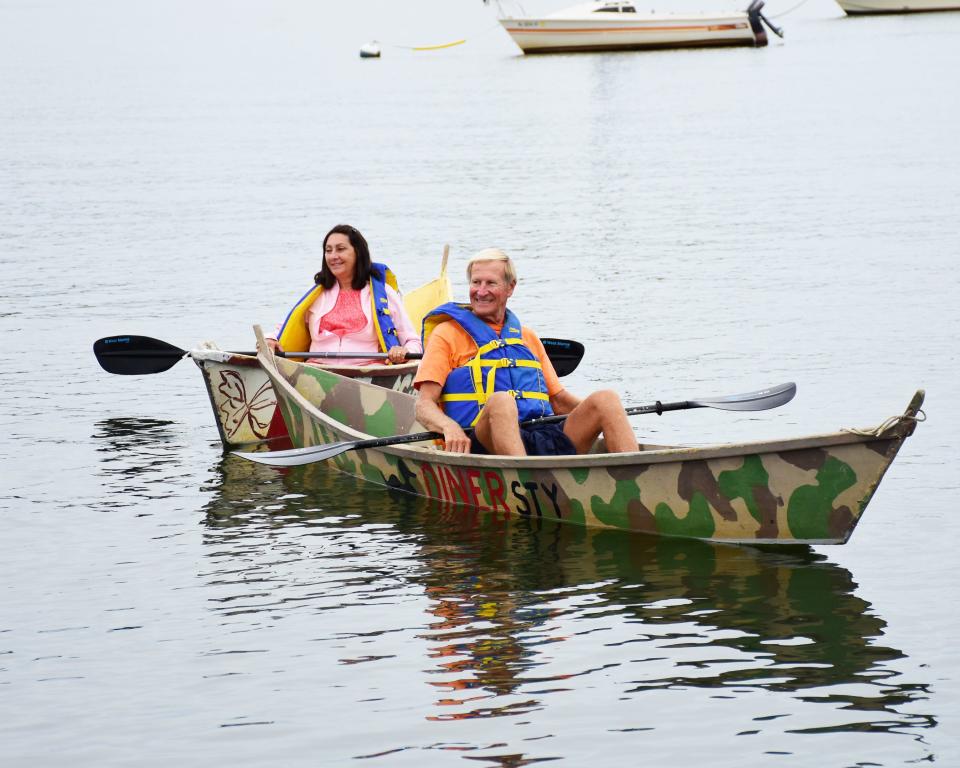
(220, 357)
(659, 456)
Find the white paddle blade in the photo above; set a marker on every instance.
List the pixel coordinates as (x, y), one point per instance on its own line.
(295, 457)
(761, 400)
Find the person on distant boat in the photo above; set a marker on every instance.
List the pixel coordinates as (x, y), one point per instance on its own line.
(354, 306)
(481, 368)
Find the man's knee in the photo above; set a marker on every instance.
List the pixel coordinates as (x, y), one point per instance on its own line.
(501, 405)
(605, 402)
(498, 428)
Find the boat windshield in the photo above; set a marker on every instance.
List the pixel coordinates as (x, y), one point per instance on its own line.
(616, 8)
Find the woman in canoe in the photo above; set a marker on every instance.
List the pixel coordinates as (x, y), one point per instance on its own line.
(354, 306)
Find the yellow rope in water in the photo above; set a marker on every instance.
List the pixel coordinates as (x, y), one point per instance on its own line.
(442, 45)
(438, 47)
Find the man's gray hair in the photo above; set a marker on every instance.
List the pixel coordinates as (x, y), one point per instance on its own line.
(494, 254)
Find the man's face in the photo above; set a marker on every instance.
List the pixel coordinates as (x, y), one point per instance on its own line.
(489, 291)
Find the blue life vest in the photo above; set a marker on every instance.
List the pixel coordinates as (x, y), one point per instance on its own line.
(502, 364)
(295, 337)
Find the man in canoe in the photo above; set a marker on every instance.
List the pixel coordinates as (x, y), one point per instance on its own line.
(482, 369)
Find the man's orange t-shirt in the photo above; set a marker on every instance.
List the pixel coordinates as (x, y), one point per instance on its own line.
(450, 347)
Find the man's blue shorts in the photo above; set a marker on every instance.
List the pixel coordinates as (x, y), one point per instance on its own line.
(538, 439)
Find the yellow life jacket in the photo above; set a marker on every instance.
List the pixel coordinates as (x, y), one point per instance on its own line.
(502, 364)
(295, 335)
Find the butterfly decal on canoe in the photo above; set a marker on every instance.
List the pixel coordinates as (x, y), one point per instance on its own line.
(239, 409)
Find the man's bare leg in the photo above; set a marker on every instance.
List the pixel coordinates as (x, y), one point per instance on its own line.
(498, 426)
(600, 412)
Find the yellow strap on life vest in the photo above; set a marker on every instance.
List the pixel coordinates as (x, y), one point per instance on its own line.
(390, 279)
(492, 345)
(507, 363)
(485, 386)
(462, 397)
(483, 391)
(381, 342)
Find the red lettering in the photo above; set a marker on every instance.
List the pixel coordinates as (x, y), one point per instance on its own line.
(446, 491)
(473, 475)
(495, 489)
(430, 482)
(455, 484)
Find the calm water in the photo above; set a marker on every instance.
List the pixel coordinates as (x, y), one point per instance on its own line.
(705, 222)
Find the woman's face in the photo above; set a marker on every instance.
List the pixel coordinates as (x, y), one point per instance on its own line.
(341, 258)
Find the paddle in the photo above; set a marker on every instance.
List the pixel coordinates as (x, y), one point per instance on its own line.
(761, 400)
(565, 354)
(136, 355)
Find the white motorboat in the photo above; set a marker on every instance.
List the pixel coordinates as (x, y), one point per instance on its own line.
(610, 25)
(864, 7)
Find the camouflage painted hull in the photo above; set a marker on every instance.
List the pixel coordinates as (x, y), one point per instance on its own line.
(245, 406)
(810, 490)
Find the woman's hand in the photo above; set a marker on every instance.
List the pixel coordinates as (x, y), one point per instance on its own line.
(397, 354)
(274, 346)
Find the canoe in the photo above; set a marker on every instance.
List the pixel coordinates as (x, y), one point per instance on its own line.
(611, 25)
(869, 7)
(806, 490)
(242, 398)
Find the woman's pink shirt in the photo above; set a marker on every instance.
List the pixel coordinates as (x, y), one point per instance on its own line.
(364, 340)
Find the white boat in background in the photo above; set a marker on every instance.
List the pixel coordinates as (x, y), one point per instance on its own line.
(610, 25)
(864, 7)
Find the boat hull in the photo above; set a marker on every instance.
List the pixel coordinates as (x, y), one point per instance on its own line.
(874, 7)
(243, 401)
(802, 491)
(550, 35)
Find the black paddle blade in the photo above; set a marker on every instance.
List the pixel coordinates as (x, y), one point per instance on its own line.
(565, 354)
(135, 355)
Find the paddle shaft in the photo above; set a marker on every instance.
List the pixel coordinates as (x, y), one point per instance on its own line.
(160, 353)
(141, 355)
(637, 410)
(762, 399)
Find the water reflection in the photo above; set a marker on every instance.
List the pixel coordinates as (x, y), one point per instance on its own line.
(123, 434)
(518, 611)
(724, 618)
(139, 458)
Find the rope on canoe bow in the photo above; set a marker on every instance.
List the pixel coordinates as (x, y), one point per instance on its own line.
(887, 425)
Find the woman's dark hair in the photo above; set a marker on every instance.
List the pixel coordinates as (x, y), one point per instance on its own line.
(361, 275)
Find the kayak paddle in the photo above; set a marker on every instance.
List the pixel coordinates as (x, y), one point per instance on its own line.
(761, 400)
(137, 355)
